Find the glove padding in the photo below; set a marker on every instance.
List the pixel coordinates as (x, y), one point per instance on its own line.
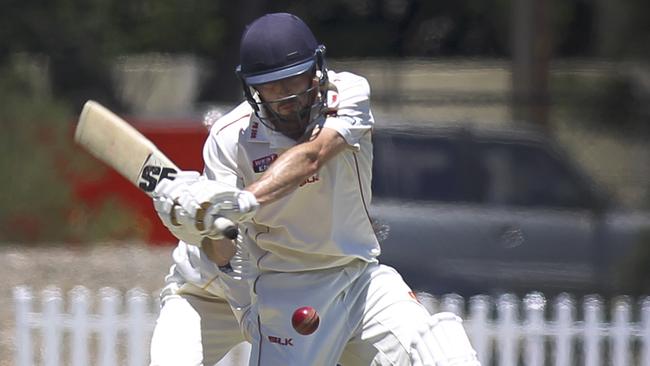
(205, 200)
(181, 222)
(172, 215)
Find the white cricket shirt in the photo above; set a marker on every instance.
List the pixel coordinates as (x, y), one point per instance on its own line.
(322, 224)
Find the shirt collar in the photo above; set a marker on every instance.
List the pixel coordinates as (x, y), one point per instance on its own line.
(259, 132)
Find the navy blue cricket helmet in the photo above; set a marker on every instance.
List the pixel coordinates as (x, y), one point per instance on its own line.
(277, 46)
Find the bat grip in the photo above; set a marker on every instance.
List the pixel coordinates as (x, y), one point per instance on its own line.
(220, 224)
(226, 227)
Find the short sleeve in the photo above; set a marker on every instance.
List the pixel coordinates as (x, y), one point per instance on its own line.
(219, 158)
(353, 118)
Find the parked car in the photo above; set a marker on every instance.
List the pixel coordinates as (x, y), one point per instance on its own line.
(471, 211)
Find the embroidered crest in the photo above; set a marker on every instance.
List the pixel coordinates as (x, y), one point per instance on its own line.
(260, 165)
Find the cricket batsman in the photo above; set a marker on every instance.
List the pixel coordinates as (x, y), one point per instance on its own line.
(291, 165)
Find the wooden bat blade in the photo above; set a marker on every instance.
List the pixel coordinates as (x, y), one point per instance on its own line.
(115, 142)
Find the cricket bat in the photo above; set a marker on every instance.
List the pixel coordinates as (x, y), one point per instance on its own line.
(112, 140)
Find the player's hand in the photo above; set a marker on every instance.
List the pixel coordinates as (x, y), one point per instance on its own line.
(207, 199)
(181, 205)
(168, 191)
(165, 201)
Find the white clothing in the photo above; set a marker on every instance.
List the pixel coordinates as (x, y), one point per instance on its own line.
(325, 222)
(314, 247)
(194, 328)
(368, 316)
(196, 325)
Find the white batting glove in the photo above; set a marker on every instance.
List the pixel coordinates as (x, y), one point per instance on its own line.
(167, 193)
(207, 199)
(165, 201)
(237, 205)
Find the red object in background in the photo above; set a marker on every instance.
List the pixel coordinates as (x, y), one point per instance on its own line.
(181, 140)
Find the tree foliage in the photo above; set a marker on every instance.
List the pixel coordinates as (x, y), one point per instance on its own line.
(37, 202)
(82, 37)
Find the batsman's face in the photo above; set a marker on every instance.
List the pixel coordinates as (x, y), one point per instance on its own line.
(288, 96)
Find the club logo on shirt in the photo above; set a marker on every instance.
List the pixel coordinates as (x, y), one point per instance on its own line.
(260, 165)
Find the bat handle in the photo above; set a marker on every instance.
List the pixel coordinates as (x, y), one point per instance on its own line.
(220, 224)
(226, 227)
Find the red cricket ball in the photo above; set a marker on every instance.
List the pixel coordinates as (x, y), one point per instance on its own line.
(305, 320)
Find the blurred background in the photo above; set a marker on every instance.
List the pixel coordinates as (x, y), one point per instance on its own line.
(549, 100)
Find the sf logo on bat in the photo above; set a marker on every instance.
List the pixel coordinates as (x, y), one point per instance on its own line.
(152, 173)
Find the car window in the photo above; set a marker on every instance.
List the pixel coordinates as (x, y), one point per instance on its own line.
(447, 168)
(528, 175)
(412, 167)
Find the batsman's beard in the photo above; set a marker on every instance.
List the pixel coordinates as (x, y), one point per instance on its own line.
(293, 114)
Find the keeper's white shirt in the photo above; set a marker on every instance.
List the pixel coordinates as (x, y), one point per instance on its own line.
(322, 224)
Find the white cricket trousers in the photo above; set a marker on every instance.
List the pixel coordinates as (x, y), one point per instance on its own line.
(368, 316)
(194, 328)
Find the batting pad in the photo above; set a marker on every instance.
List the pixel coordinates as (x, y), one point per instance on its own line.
(443, 342)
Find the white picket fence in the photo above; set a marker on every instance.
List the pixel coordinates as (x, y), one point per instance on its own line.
(505, 331)
(117, 332)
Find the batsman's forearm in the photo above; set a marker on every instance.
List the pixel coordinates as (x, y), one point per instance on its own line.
(296, 165)
(218, 251)
(285, 175)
